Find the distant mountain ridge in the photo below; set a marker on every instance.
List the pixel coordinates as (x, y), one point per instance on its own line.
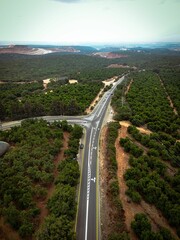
(38, 49)
(44, 49)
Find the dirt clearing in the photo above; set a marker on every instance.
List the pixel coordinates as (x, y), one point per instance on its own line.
(45, 83)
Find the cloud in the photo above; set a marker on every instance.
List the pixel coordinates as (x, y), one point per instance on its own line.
(164, 1)
(68, 1)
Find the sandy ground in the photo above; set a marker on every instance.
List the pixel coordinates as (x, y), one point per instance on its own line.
(110, 81)
(45, 82)
(98, 97)
(73, 81)
(142, 130)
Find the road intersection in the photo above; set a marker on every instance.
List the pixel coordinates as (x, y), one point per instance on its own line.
(88, 222)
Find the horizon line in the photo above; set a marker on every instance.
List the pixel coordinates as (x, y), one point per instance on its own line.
(83, 43)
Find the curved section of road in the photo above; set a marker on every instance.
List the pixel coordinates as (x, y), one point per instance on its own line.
(87, 227)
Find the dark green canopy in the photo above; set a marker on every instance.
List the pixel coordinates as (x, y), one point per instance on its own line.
(4, 146)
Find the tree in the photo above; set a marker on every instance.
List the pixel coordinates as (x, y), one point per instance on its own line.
(77, 131)
(118, 236)
(56, 228)
(12, 216)
(2, 112)
(137, 120)
(140, 224)
(62, 202)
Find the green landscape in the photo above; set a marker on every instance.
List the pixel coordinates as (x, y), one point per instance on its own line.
(152, 102)
(39, 189)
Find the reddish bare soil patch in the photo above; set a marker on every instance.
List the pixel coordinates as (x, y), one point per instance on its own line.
(128, 87)
(6, 232)
(109, 213)
(129, 207)
(59, 158)
(104, 205)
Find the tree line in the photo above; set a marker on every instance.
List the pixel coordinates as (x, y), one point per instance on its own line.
(148, 177)
(26, 172)
(143, 230)
(29, 100)
(16, 68)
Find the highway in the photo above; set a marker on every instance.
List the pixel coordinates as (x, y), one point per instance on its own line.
(88, 221)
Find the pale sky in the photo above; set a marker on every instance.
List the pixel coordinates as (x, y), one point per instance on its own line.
(89, 21)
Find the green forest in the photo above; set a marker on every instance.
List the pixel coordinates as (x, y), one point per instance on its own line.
(149, 97)
(24, 68)
(146, 103)
(143, 229)
(23, 95)
(27, 171)
(154, 173)
(19, 101)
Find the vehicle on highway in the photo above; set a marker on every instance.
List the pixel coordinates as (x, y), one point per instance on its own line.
(81, 146)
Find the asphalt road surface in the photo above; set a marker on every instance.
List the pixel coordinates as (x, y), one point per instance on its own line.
(88, 222)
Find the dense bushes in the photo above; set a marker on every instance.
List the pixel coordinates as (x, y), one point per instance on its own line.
(140, 178)
(111, 150)
(57, 228)
(28, 166)
(149, 104)
(147, 176)
(142, 228)
(99, 74)
(160, 145)
(119, 103)
(62, 205)
(27, 171)
(172, 85)
(63, 100)
(25, 68)
(130, 147)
